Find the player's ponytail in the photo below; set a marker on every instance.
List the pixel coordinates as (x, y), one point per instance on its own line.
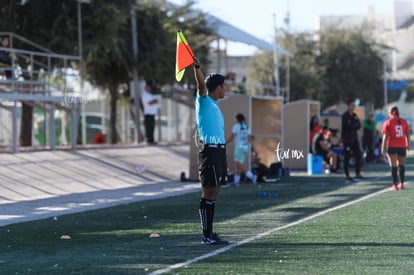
(395, 113)
(241, 119)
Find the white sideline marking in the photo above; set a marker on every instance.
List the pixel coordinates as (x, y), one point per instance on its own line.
(266, 233)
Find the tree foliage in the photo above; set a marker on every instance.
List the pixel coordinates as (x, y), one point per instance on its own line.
(107, 37)
(353, 67)
(330, 67)
(305, 74)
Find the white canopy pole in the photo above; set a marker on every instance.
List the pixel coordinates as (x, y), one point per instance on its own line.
(275, 57)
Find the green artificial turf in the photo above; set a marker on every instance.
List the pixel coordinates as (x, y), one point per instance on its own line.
(371, 237)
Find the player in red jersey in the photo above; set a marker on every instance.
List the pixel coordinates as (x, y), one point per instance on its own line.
(396, 143)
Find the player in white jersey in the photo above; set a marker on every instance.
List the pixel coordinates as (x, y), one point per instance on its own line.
(242, 137)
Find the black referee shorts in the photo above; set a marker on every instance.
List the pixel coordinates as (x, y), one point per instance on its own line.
(212, 165)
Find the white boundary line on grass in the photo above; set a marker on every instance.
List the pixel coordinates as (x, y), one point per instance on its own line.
(266, 233)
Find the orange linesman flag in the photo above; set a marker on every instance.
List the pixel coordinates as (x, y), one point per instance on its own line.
(184, 56)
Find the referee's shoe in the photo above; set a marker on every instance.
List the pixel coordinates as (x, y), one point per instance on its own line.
(213, 239)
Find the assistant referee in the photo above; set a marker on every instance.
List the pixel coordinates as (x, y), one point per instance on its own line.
(212, 153)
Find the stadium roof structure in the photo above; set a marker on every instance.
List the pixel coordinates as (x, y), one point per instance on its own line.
(230, 32)
(227, 31)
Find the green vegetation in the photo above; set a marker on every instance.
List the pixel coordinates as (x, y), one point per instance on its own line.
(330, 66)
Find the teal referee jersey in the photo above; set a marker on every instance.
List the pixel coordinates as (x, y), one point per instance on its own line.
(210, 121)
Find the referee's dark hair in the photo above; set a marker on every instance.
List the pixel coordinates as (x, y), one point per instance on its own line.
(214, 80)
(349, 101)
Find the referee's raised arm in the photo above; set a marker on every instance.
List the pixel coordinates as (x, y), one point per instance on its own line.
(201, 85)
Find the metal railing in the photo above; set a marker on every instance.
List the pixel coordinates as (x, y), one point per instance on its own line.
(39, 77)
(34, 67)
(18, 41)
(35, 74)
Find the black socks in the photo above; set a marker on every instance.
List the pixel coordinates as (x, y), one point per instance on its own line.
(398, 171)
(206, 211)
(402, 173)
(394, 175)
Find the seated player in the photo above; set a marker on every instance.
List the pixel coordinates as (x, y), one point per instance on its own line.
(322, 147)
